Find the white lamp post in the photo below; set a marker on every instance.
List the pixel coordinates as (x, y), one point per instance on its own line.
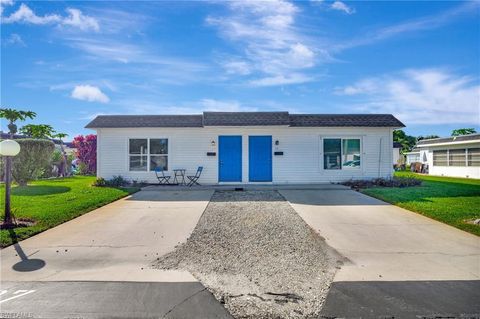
(8, 148)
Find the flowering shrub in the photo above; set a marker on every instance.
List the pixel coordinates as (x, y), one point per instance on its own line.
(87, 152)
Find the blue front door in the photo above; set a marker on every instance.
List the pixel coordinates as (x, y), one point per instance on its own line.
(260, 158)
(230, 159)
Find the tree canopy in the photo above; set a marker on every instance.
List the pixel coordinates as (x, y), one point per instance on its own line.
(38, 131)
(463, 131)
(13, 116)
(408, 142)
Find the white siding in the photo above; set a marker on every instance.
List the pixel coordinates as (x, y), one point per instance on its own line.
(453, 171)
(302, 161)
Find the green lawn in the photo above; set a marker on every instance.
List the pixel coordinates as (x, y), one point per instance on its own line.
(449, 200)
(52, 202)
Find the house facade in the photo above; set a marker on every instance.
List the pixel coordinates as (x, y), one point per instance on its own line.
(457, 156)
(247, 147)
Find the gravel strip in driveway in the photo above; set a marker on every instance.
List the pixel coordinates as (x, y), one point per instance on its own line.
(256, 255)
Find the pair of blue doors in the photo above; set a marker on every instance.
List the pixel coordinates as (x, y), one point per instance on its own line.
(259, 157)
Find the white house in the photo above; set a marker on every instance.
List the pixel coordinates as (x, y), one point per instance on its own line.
(247, 147)
(397, 157)
(457, 156)
(412, 157)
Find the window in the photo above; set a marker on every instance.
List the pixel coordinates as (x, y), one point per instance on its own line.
(332, 148)
(440, 158)
(474, 157)
(158, 153)
(351, 152)
(341, 153)
(147, 154)
(138, 154)
(456, 157)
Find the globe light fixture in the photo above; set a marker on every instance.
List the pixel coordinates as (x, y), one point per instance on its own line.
(8, 148)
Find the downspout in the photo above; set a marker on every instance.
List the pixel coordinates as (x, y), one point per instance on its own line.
(380, 156)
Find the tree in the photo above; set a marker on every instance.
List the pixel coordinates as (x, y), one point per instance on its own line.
(30, 163)
(463, 131)
(408, 142)
(87, 152)
(44, 131)
(13, 116)
(427, 137)
(62, 171)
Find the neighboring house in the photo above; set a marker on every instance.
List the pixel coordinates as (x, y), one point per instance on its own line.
(412, 157)
(247, 147)
(457, 156)
(396, 153)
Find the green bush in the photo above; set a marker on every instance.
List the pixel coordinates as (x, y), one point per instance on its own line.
(117, 181)
(30, 163)
(100, 182)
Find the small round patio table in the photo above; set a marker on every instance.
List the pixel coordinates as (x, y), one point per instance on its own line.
(179, 172)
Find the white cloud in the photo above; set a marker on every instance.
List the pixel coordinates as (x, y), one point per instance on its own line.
(237, 67)
(25, 15)
(266, 36)
(341, 6)
(416, 25)
(4, 3)
(89, 93)
(15, 39)
(75, 18)
(294, 78)
(420, 96)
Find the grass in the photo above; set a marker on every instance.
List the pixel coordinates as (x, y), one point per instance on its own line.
(450, 200)
(55, 201)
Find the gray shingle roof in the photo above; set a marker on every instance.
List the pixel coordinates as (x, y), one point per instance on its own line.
(341, 120)
(246, 119)
(146, 121)
(461, 138)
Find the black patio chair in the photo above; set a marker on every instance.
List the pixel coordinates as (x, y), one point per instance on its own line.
(162, 178)
(194, 179)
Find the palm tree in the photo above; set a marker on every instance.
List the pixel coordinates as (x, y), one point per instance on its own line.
(15, 115)
(63, 169)
(38, 131)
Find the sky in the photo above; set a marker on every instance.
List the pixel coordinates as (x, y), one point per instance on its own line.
(70, 61)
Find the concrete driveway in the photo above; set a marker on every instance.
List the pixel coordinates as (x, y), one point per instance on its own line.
(398, 262)
(103, 257)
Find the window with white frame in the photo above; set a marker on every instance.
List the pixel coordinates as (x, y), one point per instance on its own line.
(457, 157)
(148, 154)
(341, 153)
(474, 157)
(440, 158)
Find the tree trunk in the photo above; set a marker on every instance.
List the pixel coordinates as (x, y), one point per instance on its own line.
(63, 168)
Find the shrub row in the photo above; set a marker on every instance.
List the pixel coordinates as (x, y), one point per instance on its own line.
(392, 182)
(117, 181)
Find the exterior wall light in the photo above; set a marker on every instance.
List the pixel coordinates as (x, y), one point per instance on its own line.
(277, 142)
(213, 143)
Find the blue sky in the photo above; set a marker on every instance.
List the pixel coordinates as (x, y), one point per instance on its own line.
(69, 61)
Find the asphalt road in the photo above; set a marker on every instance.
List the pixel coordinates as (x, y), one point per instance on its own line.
(403, 299)
(108, 300)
